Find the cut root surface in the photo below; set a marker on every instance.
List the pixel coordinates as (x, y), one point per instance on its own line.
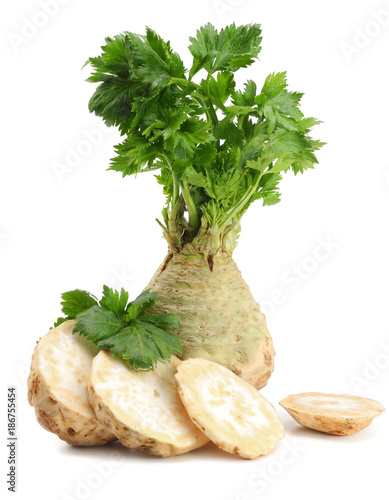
(59, 375)
(143, 409)
(230, 411)
(339, 414)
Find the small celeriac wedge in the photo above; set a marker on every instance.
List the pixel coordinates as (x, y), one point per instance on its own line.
(230, 411)
(339, 414)
(60, 370)
(143, 409)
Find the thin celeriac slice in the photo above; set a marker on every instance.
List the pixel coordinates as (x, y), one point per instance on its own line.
(142, 409)
(230, 411)
(59, 375)
(339, 414)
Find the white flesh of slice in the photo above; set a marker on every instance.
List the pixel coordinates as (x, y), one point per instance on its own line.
(60, 370)
(143, 409)
(340, 414)
(230, 411)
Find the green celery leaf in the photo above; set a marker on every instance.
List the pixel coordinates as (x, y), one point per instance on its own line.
(114, 301)
(288, 141)
(240, 110)
(283, 163)
(165, 178)
(197, 130)
(274, 84)
(97, 324)
(168, 321)
(156, 127)
(270, 198)
(228, 131)
(115, 70)
(277, 105)
(158, 61)
(258, 164)
(119, 326)
(245, 98)
(174, 124)
(303, 161)
(204, 154)
(190, 176)
(203, 48)
(231, 49)
(305, 124)
(183, 146)
(145, 300)
(219, 90)
(222, 186)
(254, 146)
(143, 344)
(134, 153)
(268, 189)
(184, 142)
(77, 301)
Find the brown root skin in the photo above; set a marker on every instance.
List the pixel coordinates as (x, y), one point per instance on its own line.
(219, 317)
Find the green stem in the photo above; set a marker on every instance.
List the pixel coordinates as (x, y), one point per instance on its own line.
(194, 219)
(209, 109)
(211, 113)
(240, 121)
(214, 119)
(175, 190)
(148, 169)
(175, 183)
(243, 201)
(181, 81)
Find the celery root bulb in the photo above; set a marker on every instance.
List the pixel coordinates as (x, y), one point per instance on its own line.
(219, 317)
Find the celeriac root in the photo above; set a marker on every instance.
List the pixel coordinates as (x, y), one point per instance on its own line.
(220, 319)
(143, 409)
(59, 374)
(339, 414)
(231, 412)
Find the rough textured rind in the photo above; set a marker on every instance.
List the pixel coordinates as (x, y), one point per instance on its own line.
(119, 397)
(230, 411)
(219, 317)
(56, 408)
(339, 414)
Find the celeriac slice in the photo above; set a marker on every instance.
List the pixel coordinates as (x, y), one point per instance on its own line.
(340, 414)
(60, 370)
(143, 409)
(230, 411)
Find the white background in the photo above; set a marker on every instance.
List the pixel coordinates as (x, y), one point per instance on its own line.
(328, 316)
